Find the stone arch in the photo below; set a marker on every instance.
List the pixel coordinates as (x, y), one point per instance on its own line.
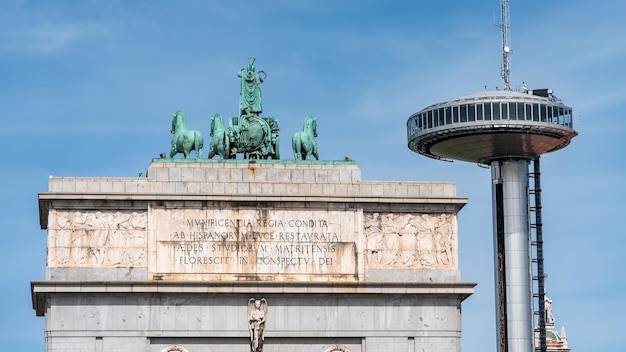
(337, 348)
(174, 348)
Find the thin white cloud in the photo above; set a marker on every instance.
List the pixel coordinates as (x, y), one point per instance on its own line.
(49, 38)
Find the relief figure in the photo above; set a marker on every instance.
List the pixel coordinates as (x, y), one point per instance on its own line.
(444, 240)
(374, 238)
(99, 238)
(391, 243)
(408, 240)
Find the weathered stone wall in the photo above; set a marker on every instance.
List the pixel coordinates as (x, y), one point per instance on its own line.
(248, 221)
(217, 322)
(169, 262)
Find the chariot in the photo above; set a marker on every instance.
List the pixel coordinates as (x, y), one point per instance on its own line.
(254, 136)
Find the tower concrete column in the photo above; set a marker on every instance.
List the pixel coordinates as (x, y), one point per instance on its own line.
(512, 255)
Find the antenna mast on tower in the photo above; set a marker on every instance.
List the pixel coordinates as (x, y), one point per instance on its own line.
(506, 49)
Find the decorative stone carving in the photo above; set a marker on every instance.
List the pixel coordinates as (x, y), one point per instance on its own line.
(174, 349)
(337, 348)
(548, 309)
(410, 241)
(97, 239)
(257, 313)
(554, 341)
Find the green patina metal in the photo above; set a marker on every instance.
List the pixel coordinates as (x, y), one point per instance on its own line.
(185, 140)
(303, 142)
(220, 142)
(250, 101)
(253, 136)
(255, 161)
(249, 134)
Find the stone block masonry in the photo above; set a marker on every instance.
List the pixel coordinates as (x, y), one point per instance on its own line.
(169, 261)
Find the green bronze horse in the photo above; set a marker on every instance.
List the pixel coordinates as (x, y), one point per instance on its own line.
(220, 142)
(185, 140)
(303, 142)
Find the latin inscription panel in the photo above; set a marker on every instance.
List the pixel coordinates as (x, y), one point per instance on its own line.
(254, 243)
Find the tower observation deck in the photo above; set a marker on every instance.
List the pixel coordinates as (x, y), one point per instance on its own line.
(506, 130)
(492, 125)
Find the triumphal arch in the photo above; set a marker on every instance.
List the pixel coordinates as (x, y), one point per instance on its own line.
(250, 254)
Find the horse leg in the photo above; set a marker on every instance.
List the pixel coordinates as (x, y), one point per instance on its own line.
(213, 147)
(314, 151)
(295, 145)
(306, 146)
(187, 144)
(217, 151)
(223, 147)
(298, 155)
(276, 150)
(198, 148)
(174, 150)
(302, 149)
(198, 143)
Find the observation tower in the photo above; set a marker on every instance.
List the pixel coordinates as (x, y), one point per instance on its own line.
(506, 130)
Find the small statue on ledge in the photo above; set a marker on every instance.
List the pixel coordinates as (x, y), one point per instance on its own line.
(257, 313)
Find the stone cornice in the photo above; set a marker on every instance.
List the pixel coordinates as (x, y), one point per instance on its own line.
(42, 289)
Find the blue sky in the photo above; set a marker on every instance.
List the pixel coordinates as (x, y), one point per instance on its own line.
(87, 88)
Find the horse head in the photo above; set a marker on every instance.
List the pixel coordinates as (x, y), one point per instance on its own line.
(312, 123)
(217, 124)
(178, 120)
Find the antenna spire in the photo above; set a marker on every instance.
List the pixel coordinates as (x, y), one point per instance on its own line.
(506, 49)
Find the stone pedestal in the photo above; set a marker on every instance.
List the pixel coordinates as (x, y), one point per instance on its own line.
(169, 262)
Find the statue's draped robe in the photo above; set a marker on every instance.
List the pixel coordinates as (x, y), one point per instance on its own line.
(257, 322)
(250, 98)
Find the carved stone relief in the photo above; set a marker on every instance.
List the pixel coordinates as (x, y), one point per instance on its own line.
(174, 349)
(337, 348)
(97, 238)
(410, 240)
